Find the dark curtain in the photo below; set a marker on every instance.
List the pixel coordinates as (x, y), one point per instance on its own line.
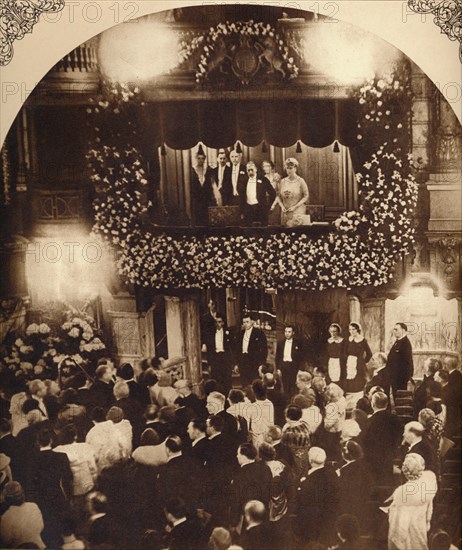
(317, 123)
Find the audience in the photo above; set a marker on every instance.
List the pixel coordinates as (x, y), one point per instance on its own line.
(143, 461)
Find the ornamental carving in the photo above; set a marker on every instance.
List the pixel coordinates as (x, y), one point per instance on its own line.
(449, 254)
(17, 18)
(448, 15)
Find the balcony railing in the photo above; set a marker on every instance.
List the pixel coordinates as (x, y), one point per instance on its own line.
(81, 60)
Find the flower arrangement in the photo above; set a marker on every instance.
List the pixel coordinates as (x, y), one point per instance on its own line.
(40, 350)
(361, 249)
(215, 37)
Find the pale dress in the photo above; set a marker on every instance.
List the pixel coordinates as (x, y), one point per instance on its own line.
(410, 513)
(290, 193)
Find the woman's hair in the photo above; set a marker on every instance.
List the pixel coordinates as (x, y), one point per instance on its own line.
(13, 493)
(270, 162)
(352, 450)
(337, 326)
(434, 365)
(333, 392)
(266, 452)
(293, 413)
(149, 437)
(291, 162)
(427, 418)
(413, 466)
(356, 326)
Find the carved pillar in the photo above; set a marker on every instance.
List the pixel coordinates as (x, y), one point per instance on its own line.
(175, 339)
(233, 309)
(126, 336)
(191, 338)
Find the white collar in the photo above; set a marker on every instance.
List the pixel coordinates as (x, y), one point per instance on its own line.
(378, 370)
(97, 516)
(178, 521)
(358, 338)
(213, 436)
(176, 455)
(314, 469)
(336, 340)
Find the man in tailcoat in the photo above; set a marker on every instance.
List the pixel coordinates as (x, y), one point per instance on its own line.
(289, 357)
(252, 350)
(233, 179)
(256, 195)
(220, 354)
(221, 178)
(399, 361)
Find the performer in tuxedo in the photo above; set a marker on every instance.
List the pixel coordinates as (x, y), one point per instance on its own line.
(232, 179)
(221, 178)
(256, 195)
(452, 395)
(289, 357)
(219, 354)
(399, 361)
(201, 190)
(252, 350)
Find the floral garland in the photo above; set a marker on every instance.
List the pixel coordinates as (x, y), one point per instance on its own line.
(208, 43)
(361, 250)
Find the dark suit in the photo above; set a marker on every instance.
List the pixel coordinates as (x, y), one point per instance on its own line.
(317, 505)
(381, 439)
(251, 482)
(382, 379)
(355, 483)
(257, 351)
(257, 538)
(426, 451)
(279, 401)
(400, 364)
(201, 197)
(453, 400)
(221, 363)
(265, 193)
(427, 389)
(227, 191)
(224, 186)
(290, 368)
(100, 395)
(180, 477)
(188, 535)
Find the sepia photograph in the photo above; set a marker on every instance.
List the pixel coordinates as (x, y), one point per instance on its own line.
(230, 279)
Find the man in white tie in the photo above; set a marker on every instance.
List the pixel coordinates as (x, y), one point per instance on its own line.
(219, 354)
(252, 350)
(220, 175)
(233, 178)
(289, 358)
(256, 194)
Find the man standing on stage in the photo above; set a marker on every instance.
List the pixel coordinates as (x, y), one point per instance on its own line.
(252, 350)
(289, 359)
(256, 195)
(219, 354)
(399, 361)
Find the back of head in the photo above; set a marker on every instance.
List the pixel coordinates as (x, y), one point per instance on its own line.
(115, 414)
(174, 444)
(301, 402)
(379, 401)
(220, 539)
(266, 452)
(121, 390)
(440, 540)
(165, 379)
(101, 371)
(45, 437)
(149, 437)
(97, 414)
(216, 422)
(317, 456)
(167, 414)
(254, 511)
(236, 396)
(248, 450)
(293, 413)
(13, 493)
(304, 376)
(176, 507)
(352, 450)
(273, 433)
(333, 392)
(126, 371)
(150, 413)
(259, 390)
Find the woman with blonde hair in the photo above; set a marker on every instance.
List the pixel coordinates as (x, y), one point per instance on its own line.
(334, 419)
(291, 194)
(411, 506)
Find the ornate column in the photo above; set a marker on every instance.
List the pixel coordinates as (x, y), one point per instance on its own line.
(355, 309)
(373, 323)
(192, 342)
(175, 337)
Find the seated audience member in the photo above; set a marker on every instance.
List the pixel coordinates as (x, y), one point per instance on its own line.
(381, 439)
(277, 398)
(273, 437)
(100, 525)
(252, 481)
(364, 403)
(185, 532)
(261, 413)
(381, 376)
(152, 451)
(296, 436)
(220, 539)
(22, 523)
(162, 393)
(411, 507)
(303, 380)
(433, 434)
(186, 398)
(414, 441)
(311, 414)
(318, 500)
(255, 535)
(348, 533)
(106, 441)
(355, 482)
(429, 387)
(137, 391)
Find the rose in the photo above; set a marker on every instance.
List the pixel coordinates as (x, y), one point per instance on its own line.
(74, 332)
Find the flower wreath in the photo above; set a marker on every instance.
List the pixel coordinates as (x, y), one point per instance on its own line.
(208, 44)
(360, 250)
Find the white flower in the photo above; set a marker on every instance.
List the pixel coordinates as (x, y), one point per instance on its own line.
(32, 329)
(44, 328)
(74, 332)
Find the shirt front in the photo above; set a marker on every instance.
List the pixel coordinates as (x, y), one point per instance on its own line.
(235, 176)
(221, 171)
(252, 192)
(245, 341)
(287, 357)
(219, 337)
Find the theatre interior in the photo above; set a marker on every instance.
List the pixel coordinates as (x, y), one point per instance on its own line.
(99, 215)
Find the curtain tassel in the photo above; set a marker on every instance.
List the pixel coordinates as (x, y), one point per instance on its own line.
(163, 150)
(264, 148)
(238, 147)
(336, 148)
(298, 149)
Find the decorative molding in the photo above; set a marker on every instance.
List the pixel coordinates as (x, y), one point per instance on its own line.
(448, 15)
(449, 254)
(18, 18)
